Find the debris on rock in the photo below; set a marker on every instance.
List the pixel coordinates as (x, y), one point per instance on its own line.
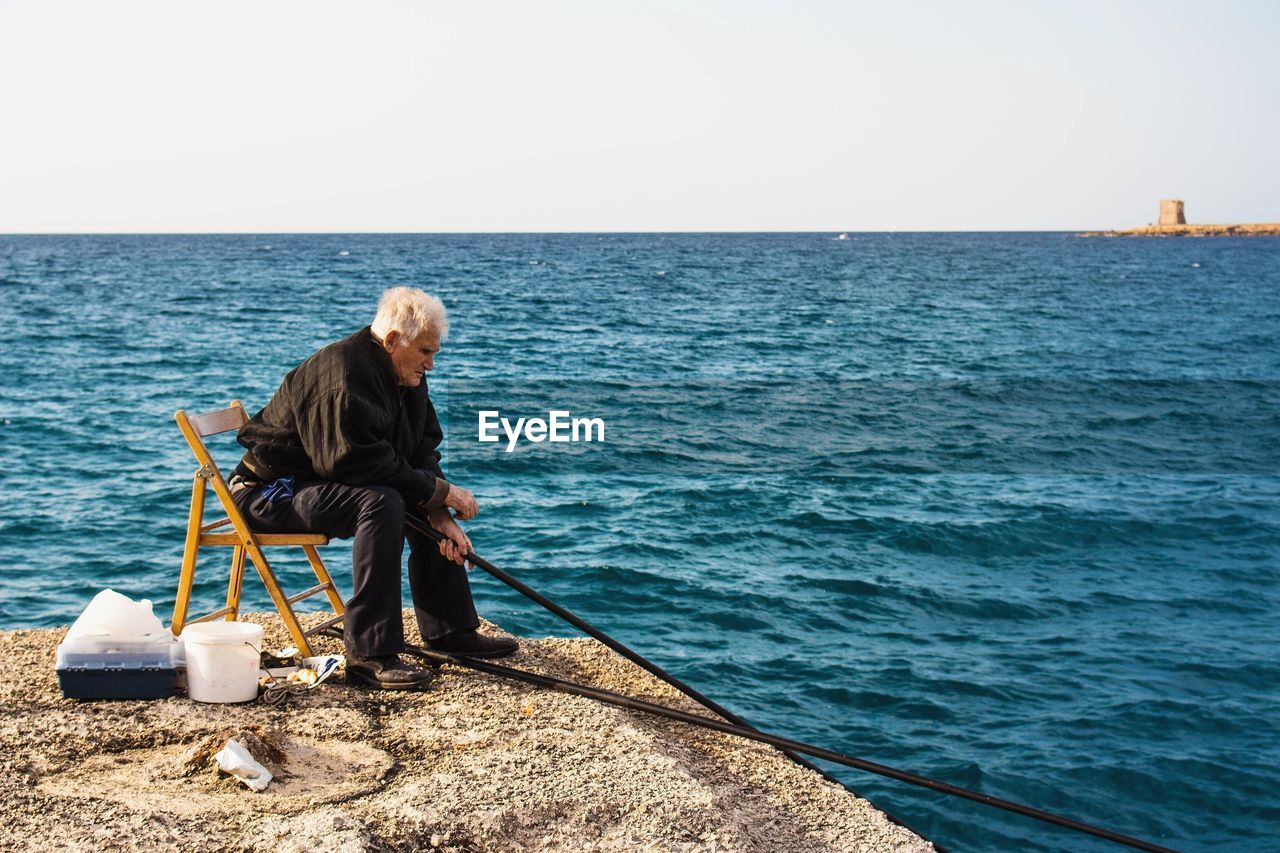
(265, 747)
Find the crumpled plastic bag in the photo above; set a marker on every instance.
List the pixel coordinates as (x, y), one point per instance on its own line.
(114, 615)
(236, 760)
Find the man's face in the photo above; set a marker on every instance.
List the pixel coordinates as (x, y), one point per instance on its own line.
(411, 356)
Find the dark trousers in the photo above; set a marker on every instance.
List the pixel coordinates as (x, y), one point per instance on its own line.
(374, 515)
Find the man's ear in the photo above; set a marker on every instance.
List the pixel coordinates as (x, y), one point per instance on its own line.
(392, 338)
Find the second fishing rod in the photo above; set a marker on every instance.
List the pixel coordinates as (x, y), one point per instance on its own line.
(735, 725)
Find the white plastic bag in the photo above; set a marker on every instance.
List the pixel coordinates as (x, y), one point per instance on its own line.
(111, 614)
(236, 760)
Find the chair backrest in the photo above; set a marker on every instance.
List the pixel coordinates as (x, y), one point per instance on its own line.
(220, 420)
(196, 427)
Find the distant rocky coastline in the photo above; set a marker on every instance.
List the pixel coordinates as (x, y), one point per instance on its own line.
(1266, 229)
(1173, 223)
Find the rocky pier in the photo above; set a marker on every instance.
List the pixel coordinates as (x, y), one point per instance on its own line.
(473, 763)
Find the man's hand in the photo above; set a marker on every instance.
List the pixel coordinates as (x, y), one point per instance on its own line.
(455, 546)
(462, 501)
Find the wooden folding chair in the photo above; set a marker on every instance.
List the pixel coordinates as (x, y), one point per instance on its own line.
(243, 541)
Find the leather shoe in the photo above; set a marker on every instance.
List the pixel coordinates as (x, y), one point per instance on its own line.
(388, 673)
(473, 644)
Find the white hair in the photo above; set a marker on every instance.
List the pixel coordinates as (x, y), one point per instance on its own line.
(410, 312)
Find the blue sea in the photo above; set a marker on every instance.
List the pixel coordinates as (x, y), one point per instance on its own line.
(1000, 509)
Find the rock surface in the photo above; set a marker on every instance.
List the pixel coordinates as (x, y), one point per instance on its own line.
(474, 763)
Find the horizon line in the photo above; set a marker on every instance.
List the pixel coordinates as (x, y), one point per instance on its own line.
(547, 232)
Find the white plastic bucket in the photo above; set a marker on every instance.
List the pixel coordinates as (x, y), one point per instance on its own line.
(222, 661)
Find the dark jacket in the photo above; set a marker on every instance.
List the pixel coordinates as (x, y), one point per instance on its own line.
(341, 416)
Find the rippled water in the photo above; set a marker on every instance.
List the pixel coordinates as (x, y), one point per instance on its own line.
(1000, 509)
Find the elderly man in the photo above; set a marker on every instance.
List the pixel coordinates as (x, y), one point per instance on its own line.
(347, 447)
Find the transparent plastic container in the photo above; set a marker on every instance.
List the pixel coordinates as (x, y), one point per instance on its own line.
(98, 667)
(97, 652)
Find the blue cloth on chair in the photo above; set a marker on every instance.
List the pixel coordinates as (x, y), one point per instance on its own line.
(278, 490)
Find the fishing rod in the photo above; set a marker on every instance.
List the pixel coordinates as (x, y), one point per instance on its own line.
(731, 724)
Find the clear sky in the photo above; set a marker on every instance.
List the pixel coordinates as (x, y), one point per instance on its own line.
(697, 115)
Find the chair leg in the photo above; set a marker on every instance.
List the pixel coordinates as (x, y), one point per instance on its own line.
(236, 582)
(280, 599)
(189, 553)
(322, 575)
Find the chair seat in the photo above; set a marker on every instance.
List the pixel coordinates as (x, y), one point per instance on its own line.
(266, 539)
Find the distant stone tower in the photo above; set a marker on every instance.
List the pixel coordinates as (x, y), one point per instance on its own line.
(1171, 212)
